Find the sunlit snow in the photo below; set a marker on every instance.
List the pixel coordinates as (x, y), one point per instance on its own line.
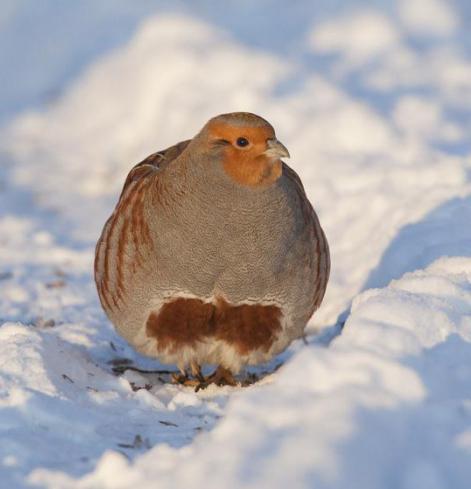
(375, 108)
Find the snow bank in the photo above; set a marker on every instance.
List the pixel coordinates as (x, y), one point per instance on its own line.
(387, 405)
(378, 136)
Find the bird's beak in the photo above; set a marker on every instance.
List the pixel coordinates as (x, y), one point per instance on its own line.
(276, 149)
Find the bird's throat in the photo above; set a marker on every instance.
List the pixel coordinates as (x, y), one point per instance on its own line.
(253, 172)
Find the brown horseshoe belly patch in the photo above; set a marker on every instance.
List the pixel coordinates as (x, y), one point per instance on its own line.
(184, 322)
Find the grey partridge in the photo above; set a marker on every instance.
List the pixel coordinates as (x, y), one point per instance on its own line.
(213, 254)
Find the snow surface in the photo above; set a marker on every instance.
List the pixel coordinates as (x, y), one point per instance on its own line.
(375, 107)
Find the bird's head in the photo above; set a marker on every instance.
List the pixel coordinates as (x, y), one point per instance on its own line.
(246, 147)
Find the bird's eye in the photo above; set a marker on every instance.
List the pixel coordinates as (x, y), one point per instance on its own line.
(242, 142)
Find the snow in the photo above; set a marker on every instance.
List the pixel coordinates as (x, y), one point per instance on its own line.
(359, 37)
(429, 17)
(374, 107)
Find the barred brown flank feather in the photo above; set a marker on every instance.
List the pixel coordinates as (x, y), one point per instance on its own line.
(129, 199)
(137, 221)
(96, 265)
(97, 251)
(128, 222)
(103, 282)
(146, 229)
(135, 240)
(122, 241)
(101, 258)
(139, 230)
(142, 228)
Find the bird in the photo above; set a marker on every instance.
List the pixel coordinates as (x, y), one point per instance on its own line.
(213, 254)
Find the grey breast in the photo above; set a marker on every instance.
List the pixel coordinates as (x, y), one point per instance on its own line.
(247, 243)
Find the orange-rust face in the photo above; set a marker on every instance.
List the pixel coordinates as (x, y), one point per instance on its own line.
(250, 151)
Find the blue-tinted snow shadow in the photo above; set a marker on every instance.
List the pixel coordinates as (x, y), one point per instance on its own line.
(421, 438)
(412, 443)
(443, 232)
(70, 430)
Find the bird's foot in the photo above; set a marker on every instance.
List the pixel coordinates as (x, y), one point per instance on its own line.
(250, 379)
(179, 378)
(221, 376)
(184, 379)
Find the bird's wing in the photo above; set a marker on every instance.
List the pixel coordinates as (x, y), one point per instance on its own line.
(297, 185)
(155, 161)
(293, 177)
(320, 253)
(126, 238)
